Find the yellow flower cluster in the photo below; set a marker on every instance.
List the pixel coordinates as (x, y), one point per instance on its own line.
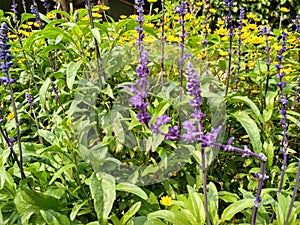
(166, 201)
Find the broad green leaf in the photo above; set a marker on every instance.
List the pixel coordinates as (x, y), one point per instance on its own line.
(27, 201)
(48, 136)
(26, 16)
(236, 207)
(251, 128)
(228, 196)
(54, 218)
(251, 104)
(72, 72)
(197, 207)
(213, 203)
(131, 212)
(104, 194)
(176, 218)
(132, 188)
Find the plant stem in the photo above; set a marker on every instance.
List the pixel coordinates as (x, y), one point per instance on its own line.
(296, 186)
(204, 185)
(163, 41)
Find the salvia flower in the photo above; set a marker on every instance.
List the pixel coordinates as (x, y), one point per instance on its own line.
(34, 10)
(29, 99)
(5, 54)
(46, 5)
(141, 87)
(240, 27)
(164, 119)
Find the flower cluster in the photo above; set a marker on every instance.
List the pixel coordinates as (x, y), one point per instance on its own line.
(141, 88)
(34, 10)
(240, 27)
(46, 5)
(5, 55)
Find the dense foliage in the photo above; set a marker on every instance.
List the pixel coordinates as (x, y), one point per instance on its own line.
(132, 122)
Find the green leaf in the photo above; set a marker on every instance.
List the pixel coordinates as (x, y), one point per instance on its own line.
(269, 151)
(251, 128)
(197, 207)
(236, 207)
(76, 209)
(96, 34)
(213, 203)
(54, 218)
(26, 16)
(43, 92)
(60, 171)
(228, 196)
(28, 201)
(251, 104)
(104, 194)
(131, 188)
(48, 136)
(131, 212)
(72, 72)
(176, 218)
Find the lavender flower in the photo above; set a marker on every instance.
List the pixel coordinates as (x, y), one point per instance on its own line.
(5, 54)
(164, 119)
(34, 10)
(181, 10)
(46, 5)
(283, 110)
(240, 27)
(14, 7)
(228, 22)
(141, 88)
(29, 99)
(173, 134)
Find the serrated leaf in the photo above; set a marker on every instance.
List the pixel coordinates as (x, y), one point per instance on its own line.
(104, 194)
(251, 128)
(72, 72)
(132, 188)
(236, 207)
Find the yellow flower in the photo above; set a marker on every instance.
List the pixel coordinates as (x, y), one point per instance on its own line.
(284, 9)
(251, 26)
(223, 53)
(172, 38)
(123, 16)
(250, 64)
(256, 40)
(221, 31)
(51, 15)
(199, 3)
(188, 16)
(10, 116)
(277, 46)
(11, 36)
(166, 201)
(255, 91)
(151, 1)
(133, 17)
(21, 60)
(150, 25)
(213, 11)
(201, 55)
(36, 24)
